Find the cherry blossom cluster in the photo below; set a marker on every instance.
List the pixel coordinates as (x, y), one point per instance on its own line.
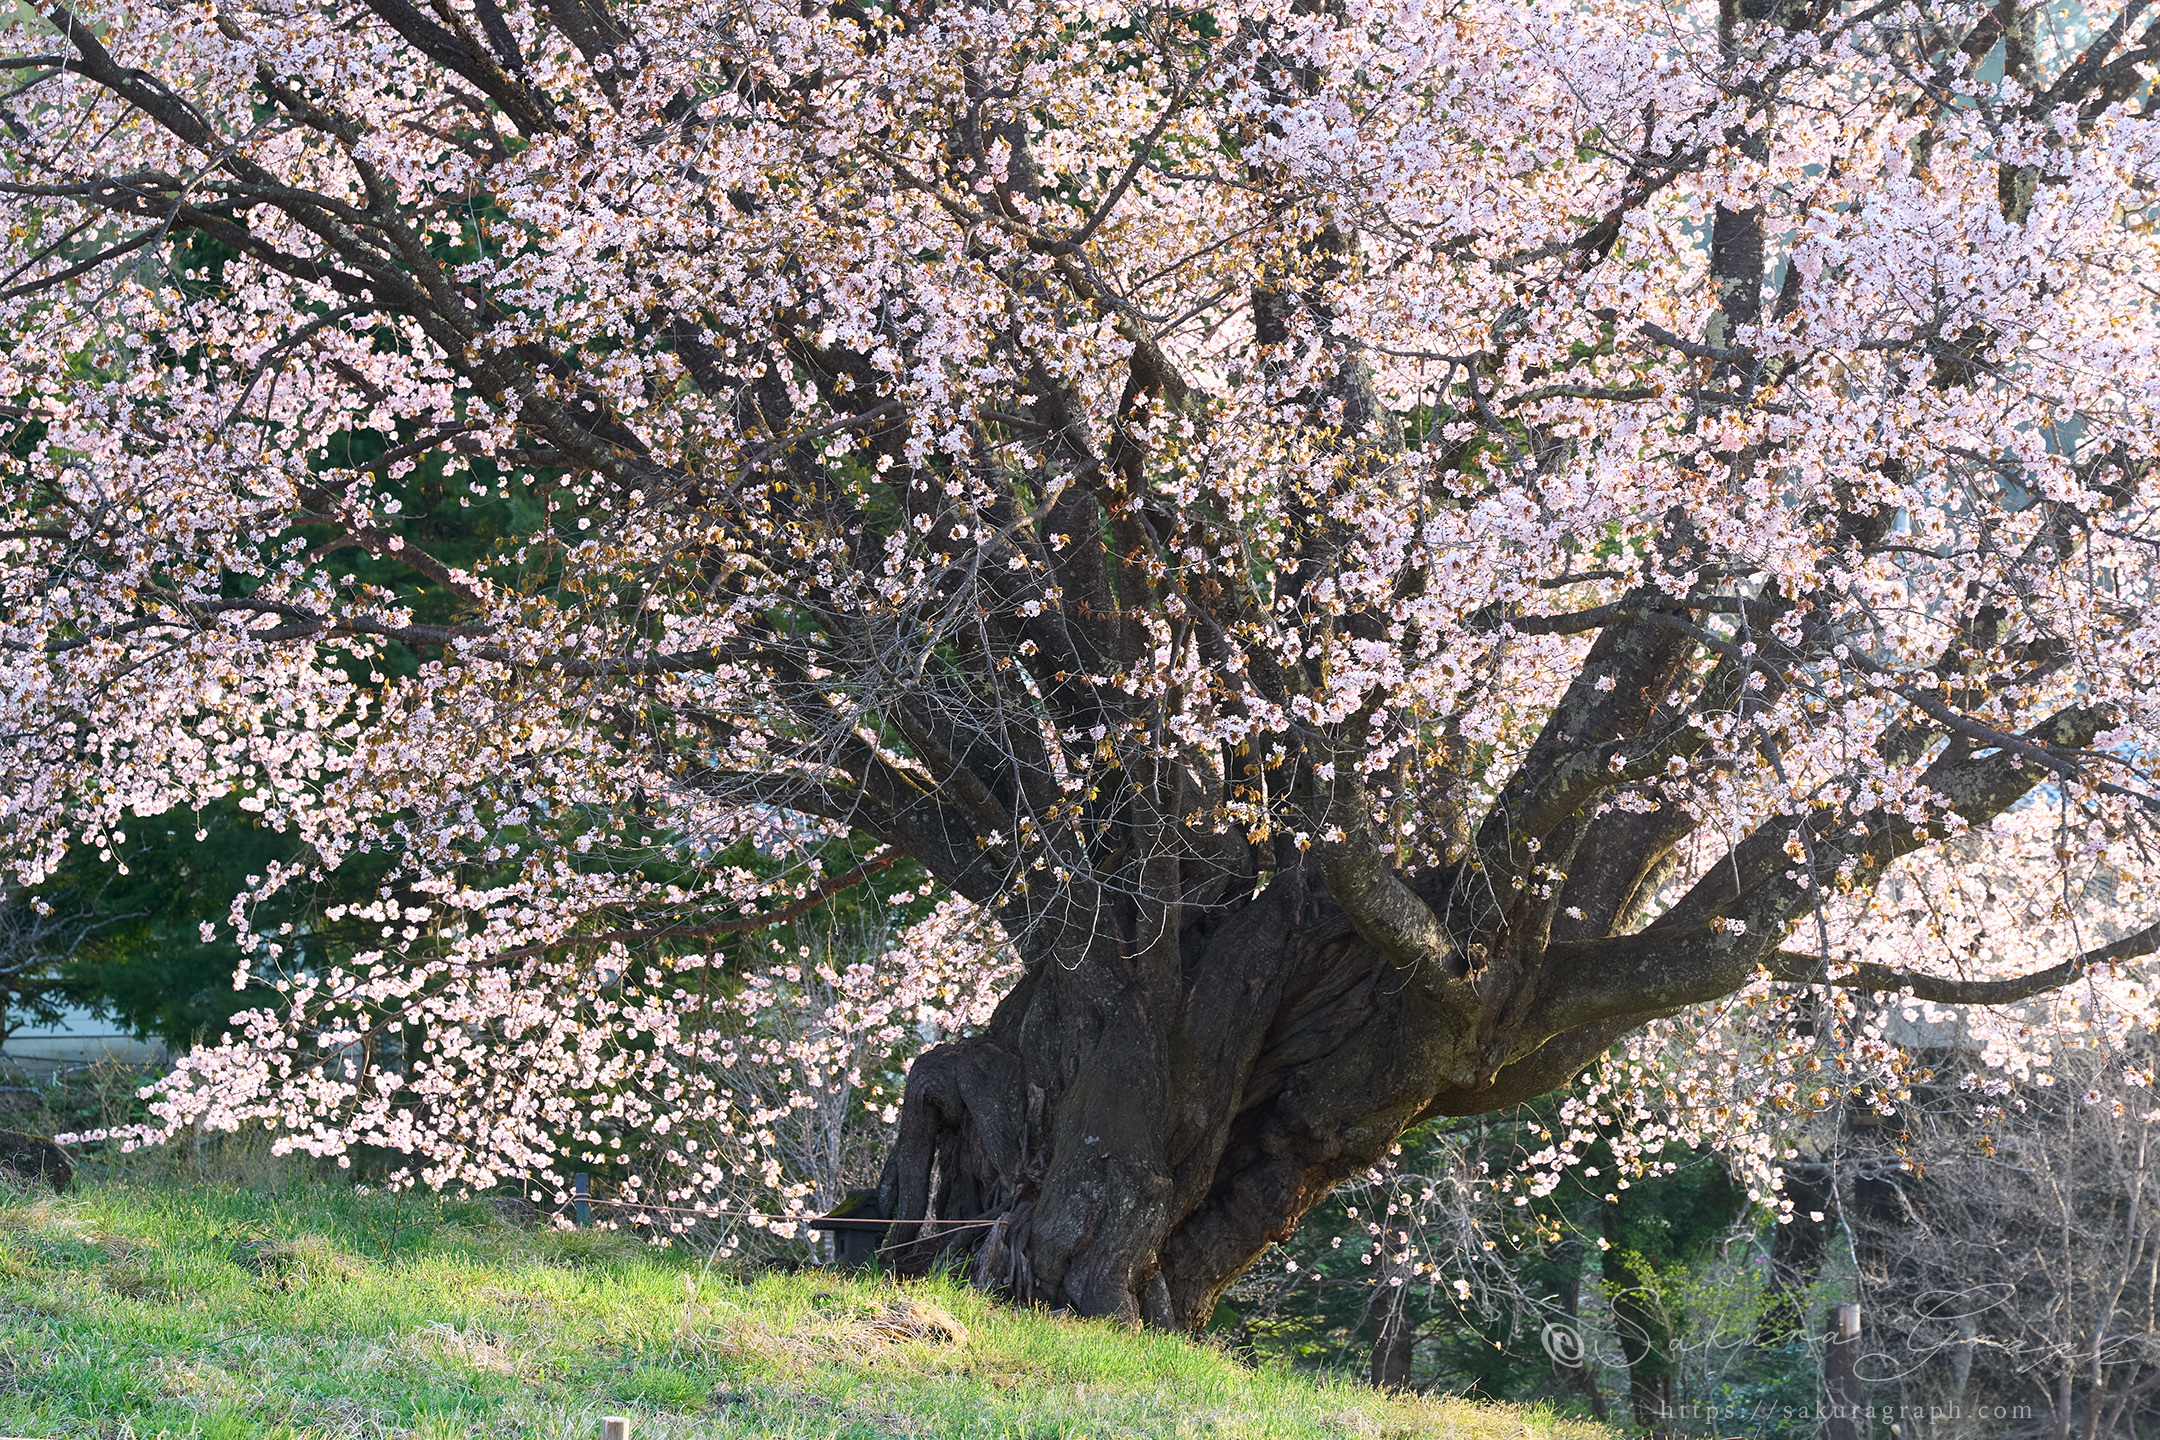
(738, 1100)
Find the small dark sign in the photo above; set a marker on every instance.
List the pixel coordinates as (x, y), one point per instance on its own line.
(858, 1226)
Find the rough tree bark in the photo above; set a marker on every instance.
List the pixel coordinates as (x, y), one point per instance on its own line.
(1136, 1134)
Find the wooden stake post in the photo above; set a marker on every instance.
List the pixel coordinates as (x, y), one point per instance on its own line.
(1842, 1379)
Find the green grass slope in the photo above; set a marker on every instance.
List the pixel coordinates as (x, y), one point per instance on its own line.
(128, 1310)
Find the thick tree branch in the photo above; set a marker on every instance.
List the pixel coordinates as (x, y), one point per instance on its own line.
(1794, 968)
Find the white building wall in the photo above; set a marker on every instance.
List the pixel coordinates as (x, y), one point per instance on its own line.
(78, 1037)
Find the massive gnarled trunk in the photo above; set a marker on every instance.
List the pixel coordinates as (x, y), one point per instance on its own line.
(1125, 1138)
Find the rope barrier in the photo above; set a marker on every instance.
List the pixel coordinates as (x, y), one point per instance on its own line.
(718, 1213)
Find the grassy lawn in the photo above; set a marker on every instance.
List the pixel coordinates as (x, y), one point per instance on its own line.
(136, 1310)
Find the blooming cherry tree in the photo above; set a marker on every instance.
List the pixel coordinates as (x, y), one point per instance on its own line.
(1386, 546)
